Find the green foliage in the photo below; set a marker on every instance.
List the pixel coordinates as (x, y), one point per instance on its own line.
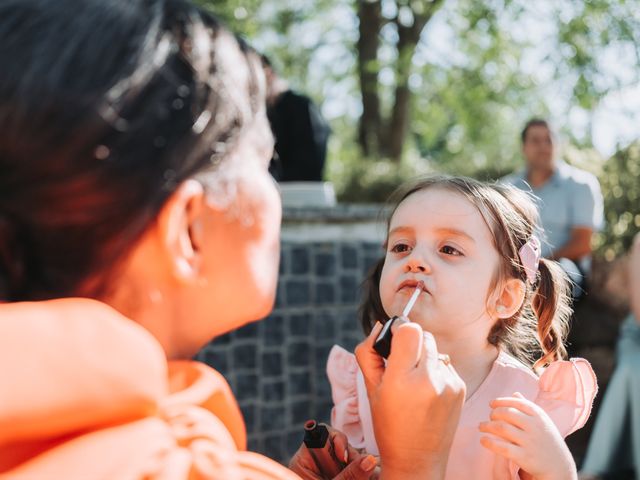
(470, 102)
(621, 190)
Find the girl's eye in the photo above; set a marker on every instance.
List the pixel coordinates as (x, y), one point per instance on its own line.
(449, 250)
(400, 248)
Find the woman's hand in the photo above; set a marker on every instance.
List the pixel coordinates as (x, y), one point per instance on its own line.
(359, 466)
(521, 431)
(415, 403)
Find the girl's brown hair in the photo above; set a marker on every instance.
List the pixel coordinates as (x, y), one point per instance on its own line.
(539, 327)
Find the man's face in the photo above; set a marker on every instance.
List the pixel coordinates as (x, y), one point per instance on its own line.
(538, 148)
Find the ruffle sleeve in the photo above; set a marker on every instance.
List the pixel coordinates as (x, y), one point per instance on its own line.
(342, 370)
(566, 393)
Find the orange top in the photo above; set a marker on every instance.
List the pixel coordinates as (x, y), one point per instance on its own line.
(88, 393)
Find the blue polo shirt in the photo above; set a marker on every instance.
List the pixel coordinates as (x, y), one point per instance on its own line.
(570, 198)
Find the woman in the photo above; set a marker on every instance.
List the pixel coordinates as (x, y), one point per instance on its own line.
(137, 222)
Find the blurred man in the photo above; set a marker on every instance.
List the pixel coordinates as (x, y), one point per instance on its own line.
(569, 201)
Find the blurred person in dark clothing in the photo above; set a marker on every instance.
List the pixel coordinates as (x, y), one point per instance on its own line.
(300, 130)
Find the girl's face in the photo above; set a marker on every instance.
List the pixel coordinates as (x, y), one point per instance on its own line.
(438, 236)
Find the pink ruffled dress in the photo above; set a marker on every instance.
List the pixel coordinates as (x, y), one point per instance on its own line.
(565, 390)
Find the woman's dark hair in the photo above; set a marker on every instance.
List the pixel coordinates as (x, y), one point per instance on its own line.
(106, 106)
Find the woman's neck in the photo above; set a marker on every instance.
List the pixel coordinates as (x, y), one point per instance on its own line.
(472, 360)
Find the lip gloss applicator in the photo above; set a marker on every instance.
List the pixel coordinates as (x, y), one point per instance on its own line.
(382, 345)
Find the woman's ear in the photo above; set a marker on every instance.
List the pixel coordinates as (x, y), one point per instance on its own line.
(509, 298)
(180, 226)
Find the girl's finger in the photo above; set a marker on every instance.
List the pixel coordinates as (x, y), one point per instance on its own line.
(502, 430)
(519, 403)
(511, 416)
(501, 447)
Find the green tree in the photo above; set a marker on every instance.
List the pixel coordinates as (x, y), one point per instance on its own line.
(447, 82)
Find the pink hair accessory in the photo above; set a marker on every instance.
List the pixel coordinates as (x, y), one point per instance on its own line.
(530, 257)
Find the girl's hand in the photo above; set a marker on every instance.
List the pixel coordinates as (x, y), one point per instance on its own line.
(415, 401)
(521, 431)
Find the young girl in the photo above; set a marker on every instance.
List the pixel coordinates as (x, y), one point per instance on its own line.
(491, 303)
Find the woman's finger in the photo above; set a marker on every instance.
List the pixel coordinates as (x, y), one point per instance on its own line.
(345, 452)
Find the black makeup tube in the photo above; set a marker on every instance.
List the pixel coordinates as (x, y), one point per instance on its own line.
(382, 345)
(319, 444)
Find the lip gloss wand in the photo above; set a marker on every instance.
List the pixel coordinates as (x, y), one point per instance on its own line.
(382, 345)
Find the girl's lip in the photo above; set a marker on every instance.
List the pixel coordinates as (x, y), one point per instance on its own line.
(412, 284)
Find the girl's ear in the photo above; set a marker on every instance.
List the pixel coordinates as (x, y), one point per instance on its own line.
(509, 298)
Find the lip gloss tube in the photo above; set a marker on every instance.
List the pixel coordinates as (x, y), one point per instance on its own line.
(320, 446)
(382, 345)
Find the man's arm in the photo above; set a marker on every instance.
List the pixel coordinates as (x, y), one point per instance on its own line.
(578, 245)
(586, 217)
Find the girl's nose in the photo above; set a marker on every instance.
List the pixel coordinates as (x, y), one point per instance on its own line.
(417, 264)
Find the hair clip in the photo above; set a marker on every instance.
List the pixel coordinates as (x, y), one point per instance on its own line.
(530, 258)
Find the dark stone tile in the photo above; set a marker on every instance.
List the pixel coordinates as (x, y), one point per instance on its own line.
(272, 363)
(298, 292)
(300, 324)
(221, 340)
(301, 412)
(300, 384)
(348, 289)
(324, 326)
(349, 322)
(299, 354)
(326, 264)
(284, 261)
(323, 388)
(249, 331)
(369, 261)
(300, 262)
(245, 356)
(294, 440)
(273, 391)
(321, 355)
(273, 330)
(274, 447)
(323, 410)
(254, 443)
(216, 358)
(349, 342)
(280, 298)
(325, 293)
(249, 412)
(246, 386)
(349, 254)
(272, 418)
